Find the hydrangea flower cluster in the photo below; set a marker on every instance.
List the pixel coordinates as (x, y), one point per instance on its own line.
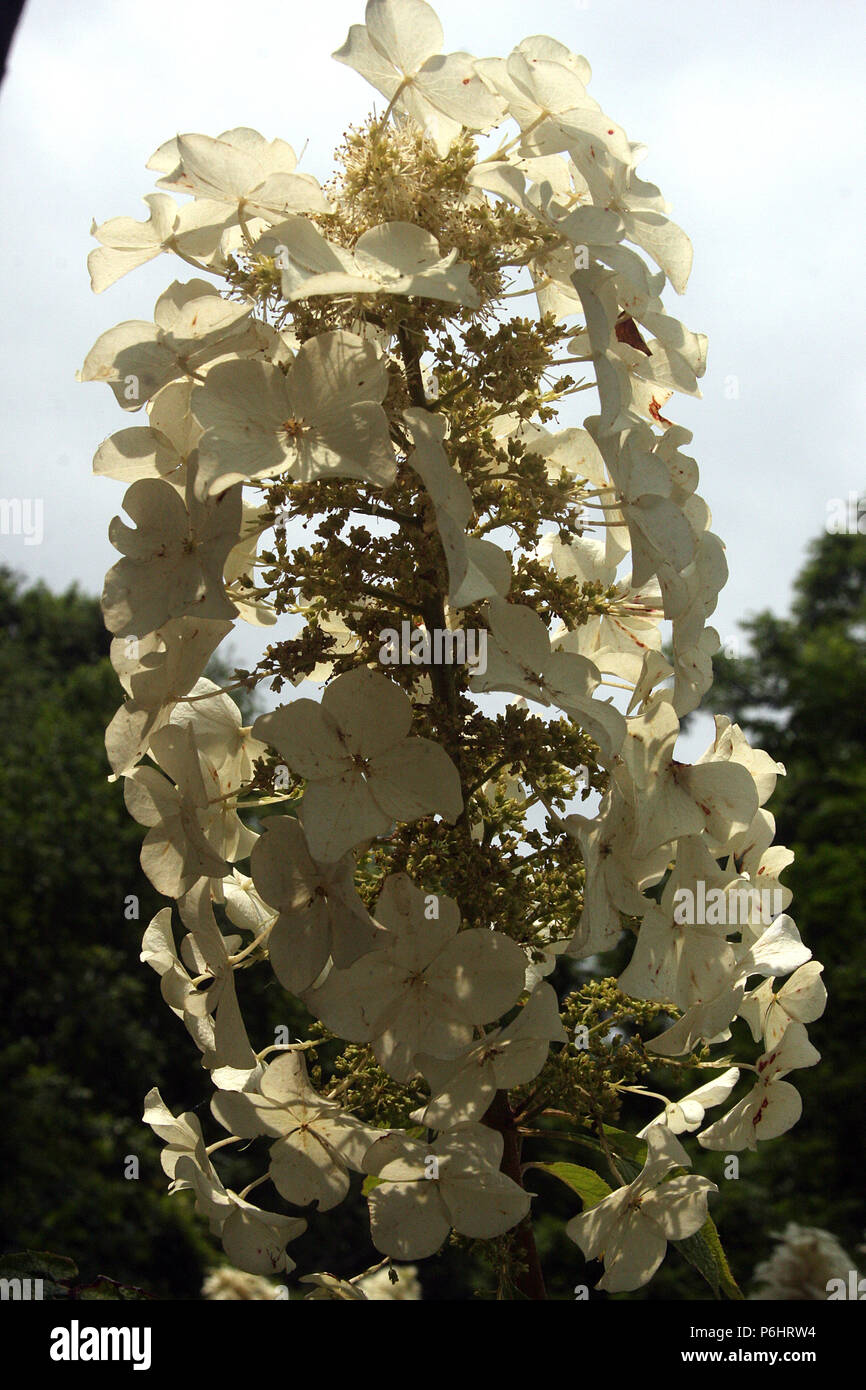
(424, 884)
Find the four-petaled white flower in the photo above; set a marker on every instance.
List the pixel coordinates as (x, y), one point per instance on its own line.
(193, 326)
(630, 1229)
(254, 1240)
(520, 659)
(320, 912)
(173, 562)
(321, 419)
(240, 173)
(802, 998)
(317, 1142)
(399, 52)
(422, 1192)
(363, 771)
(426, 987)
(463, 1088)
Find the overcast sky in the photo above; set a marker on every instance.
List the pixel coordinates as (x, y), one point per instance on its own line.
(753, 112)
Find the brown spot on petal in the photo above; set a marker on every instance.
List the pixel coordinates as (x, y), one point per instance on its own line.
(655, 411)
(628, 332)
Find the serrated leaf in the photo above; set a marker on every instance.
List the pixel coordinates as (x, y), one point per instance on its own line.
(704, 1252)
(590, 1188)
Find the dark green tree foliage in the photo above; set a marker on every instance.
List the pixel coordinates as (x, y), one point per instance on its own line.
(800, 692)
(78, 1047)
(77, 1050)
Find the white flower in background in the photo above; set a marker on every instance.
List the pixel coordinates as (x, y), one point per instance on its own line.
(226, 1284)
(802, 1265)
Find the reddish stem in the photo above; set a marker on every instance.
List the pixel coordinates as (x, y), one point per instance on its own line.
(499, 1116)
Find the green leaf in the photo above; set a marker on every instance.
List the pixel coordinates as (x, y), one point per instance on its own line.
(40, 1264)
(591, 1188)
(369, 1183)
(105, 1288)
(626, 1146)
(704, 1252)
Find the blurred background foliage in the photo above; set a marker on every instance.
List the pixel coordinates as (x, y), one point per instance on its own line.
(85, 1034)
